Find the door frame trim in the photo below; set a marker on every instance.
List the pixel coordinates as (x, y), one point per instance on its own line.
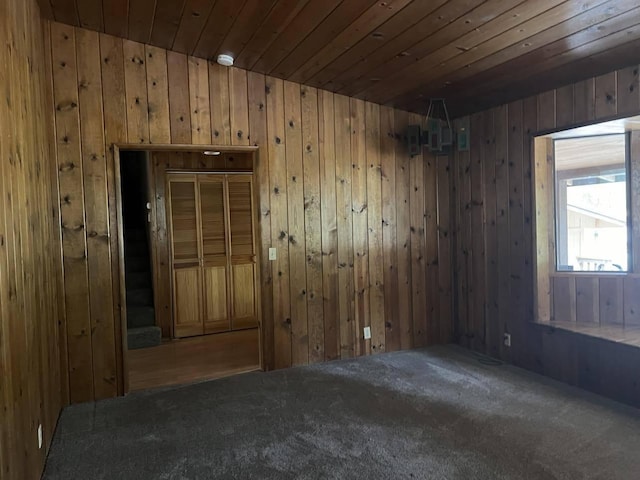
(120, 294)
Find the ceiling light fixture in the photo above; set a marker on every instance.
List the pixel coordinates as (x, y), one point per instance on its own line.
(225, 60)
(211, 152)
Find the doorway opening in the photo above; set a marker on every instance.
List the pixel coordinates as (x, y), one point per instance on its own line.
(189, 293)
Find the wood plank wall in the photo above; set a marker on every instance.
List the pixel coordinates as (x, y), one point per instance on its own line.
(29, 246)
(362, 230)
(494, 241)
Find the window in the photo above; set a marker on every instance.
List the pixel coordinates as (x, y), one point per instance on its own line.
(592, 203)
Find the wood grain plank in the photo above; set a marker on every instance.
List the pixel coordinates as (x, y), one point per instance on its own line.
(247, 22)
(410, 18)
(477, 287)
(611, 301)
(162, 270)
(484, 67)
(503, 220)
(362, 317)
(445, 258)
(547, 110)
(258, 136)
(279, 222)
(158, 95)
(199, 101)
(327, 158)
(587, 300)
(628, 90)
(345, 226)
(135, 77)
(311, 15)
(631, 302)
(420, 257)
(489, 152)
(584, 101)
(90, 15)
(517, 258)
(606, 95)
(313, 223)
(141, 16)
(565, 105)
(116, 13)
(544, 257)
(430, 264)
(219, 96)
(376, 15)
(96, 213)
(278, 18)
(72, 213)
(179, 107)
(192, 22)
(374, 222)
(454, 30)
(339, 19)
(221, 19)
(238, 106)
(115, 129)
(403, 232)
(564, 299)
(390, 254)
(166, 21)
(296, 221)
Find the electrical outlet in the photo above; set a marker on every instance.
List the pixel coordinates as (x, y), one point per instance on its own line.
(40, 436)
(507, 339)
(367, 333)
(272, 254)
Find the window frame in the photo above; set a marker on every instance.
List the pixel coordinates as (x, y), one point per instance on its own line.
(629, 206)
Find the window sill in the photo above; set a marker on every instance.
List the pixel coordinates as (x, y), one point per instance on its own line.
(629, 335)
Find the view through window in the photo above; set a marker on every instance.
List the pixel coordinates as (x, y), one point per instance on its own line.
(592, 203)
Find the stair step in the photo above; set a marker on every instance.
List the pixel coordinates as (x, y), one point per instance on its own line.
(140, 317)
(143, 337)
(142, 297)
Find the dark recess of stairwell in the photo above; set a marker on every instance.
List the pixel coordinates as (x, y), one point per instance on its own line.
(142, 331)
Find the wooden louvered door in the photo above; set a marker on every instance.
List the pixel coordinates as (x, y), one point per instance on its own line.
(186, 253)
(243, 253)
(215, 258)
(212, 233)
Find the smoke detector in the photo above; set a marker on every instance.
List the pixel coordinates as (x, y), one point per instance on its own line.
(225, 60)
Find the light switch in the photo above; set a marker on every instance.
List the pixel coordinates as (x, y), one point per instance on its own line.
(272, 254)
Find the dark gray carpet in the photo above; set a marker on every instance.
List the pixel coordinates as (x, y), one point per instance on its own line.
(431, 413)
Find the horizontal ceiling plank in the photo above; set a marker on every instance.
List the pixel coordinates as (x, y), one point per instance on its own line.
(402, 44)
(116, 17)
(220, 22)
(369, 21)
(339, 20)
(280, 16)
(194, 18)
(90, 15)
(405, 19)
(248, 21)
(65, 11)
(166, 22)
(447, 41)
(141, 14)
(546, 28)
(312, 15)
(596, 64)
(612, 33)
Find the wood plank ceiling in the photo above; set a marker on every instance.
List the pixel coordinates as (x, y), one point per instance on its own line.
(474, 53)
